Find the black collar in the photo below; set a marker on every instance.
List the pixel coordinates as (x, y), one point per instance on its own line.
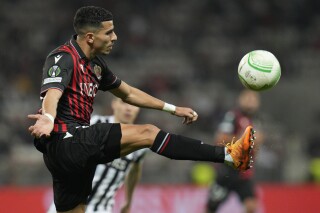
(77, 47)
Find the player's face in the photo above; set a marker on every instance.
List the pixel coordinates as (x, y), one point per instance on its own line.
(104, 38)
(123, 112)
(249, 102)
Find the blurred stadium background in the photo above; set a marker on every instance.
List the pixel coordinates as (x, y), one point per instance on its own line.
(185, 52)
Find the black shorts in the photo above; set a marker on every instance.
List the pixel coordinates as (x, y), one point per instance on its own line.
(221, 189)
(72, 160)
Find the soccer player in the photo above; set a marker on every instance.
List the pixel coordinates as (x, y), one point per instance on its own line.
(235, 121)
(109, 177)
(72, 75)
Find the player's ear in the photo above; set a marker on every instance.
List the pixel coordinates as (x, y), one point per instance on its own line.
(89, 37)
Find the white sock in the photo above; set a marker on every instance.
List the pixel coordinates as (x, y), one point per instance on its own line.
(227, 157)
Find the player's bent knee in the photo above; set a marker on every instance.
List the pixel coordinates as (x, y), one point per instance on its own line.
(136, 137)
(149, 132)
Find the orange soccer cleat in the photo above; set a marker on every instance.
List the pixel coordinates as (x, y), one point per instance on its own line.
(240, 150)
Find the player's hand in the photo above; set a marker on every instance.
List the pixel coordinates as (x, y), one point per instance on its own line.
(189, 114)
(42, 127)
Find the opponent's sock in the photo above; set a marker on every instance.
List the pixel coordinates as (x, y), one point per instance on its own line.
(182, 148)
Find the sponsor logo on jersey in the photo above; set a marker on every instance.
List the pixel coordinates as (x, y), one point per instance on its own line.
(89, 89)
(54, 71)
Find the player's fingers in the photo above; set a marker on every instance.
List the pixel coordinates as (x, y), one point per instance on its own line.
(184, 120)
(189, 120)
(38, 134)
(31, 128)
(195, 116)
(46, 135)
(34, 133)
(192, 116)
(32, 116)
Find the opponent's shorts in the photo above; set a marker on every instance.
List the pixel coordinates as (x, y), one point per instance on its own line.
(72, 158)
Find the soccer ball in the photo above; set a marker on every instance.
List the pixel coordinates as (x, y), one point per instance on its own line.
(259, 70)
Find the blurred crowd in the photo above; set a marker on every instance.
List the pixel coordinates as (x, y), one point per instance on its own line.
(185, 52)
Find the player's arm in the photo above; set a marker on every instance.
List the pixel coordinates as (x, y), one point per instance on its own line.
(45, 121)
(57, 73)
(50, 102)
(134, 96)
(130, 183)
(137, 97)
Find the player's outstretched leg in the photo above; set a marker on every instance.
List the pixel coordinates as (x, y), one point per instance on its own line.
(178, 147)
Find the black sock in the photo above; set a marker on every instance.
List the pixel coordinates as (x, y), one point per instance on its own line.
(182, 148)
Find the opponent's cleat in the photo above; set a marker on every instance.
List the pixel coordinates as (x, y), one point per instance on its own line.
(240, 150)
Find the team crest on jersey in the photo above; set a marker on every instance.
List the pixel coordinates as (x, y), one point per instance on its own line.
(97, 71)
(54, 71)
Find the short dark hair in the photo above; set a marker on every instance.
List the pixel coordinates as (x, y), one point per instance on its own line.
(90, 16)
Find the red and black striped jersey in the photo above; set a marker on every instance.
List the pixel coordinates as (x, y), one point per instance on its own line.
(67, 69)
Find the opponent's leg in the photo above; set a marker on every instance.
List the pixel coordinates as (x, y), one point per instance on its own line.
(217, 195)
(246, 191)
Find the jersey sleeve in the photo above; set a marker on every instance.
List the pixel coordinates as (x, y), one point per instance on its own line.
(57, 72)
(109, 80)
